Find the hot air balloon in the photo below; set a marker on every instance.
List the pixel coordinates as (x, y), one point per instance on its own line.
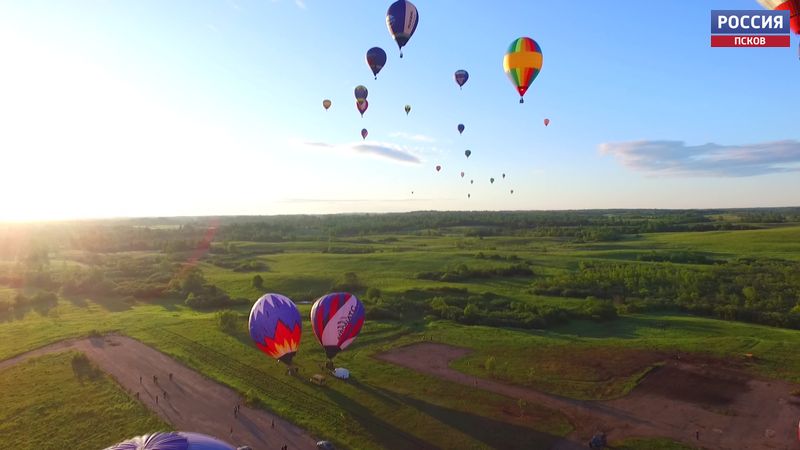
(336, 319)
(364, 133)
(462, 174)
(512, 191)
(361, 92)
(471, 181)
(794, 12)
(376, 59)
(504, 176)
(173, 440)
(275, 326)
(408, 109)
(491, 180)
(522, 64)
(546, 122)
(461, 77)
(467, 153)
(469, 196)
(438, 168)
(402, 19)
(326, 104)
(362, 106)
(460, 128)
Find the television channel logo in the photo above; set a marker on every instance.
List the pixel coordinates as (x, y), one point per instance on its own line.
(750, 28)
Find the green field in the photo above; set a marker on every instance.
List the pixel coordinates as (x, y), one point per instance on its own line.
(47, 405)
(388, 406)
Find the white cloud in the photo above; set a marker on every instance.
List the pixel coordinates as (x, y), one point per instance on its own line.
(383, 150)
(412, 137)
(675, 158)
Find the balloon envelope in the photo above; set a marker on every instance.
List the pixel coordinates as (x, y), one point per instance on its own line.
(408, 109)
(174, 440)
(460, 128)
(792, 5)
(461, 77)
(360, 92)
(376, 59)
(275, 326)
(364, 133)
(362, 106)
(402, 19)
(512, 191)
(326, 103)
(438, 168)
(462, 174)
(522, 63)
(467, 153)
(546, 122)
(491, 180)
(337, 319)
(504, 175)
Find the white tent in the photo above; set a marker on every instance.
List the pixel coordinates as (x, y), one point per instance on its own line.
(341, 372)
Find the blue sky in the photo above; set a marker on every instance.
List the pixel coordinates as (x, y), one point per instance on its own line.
(129, 108)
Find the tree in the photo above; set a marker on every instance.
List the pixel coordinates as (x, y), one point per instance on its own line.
(227, 321)
(258, 282)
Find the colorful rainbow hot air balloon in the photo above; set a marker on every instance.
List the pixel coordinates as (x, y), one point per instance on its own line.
(364, 133)
(438, 168)
(460, 128)
(362, 106)
(326, 104)
(546, 122)
(336, 319)
(275, 326)
(360, 92)
(467, 153)
(402, 20)
(461, 77)
(522, 64)
(376, 59)
(173, 440)
(408, 109)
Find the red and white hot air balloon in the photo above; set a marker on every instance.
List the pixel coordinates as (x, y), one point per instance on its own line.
(793, 6)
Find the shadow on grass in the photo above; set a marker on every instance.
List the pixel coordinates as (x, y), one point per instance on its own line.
(492, 432)
(635, 327)
(388, 435)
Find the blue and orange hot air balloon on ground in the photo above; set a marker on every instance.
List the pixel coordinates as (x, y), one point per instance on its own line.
(522, 64)
(337, 319)
(276, 326)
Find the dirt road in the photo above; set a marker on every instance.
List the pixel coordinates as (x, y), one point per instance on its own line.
(193, 402)
(726, 409)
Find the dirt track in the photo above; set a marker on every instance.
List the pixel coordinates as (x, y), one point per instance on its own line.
(193, 403)
(730, 409)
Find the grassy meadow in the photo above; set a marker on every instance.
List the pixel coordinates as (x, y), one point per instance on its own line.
(385, 406)
(47, 404)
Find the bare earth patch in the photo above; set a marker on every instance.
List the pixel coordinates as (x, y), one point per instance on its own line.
(727, 406)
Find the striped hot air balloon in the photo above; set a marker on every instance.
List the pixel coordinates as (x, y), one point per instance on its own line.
(522, 64)
(336, 320)
(793, 6)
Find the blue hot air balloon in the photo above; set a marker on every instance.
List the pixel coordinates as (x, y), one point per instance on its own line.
(460, 128)
(174, 440)
(275, 326)
(402, 19)
(376, 59)
(461, 77)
